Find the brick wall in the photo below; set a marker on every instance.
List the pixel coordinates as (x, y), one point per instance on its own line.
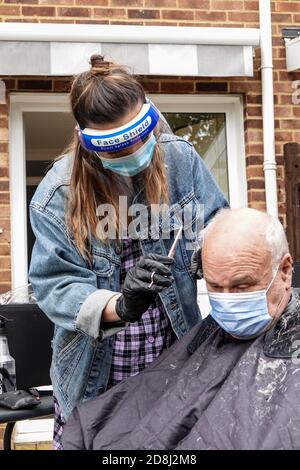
(227, 13)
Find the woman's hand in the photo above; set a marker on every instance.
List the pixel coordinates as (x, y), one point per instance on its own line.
(137, 296)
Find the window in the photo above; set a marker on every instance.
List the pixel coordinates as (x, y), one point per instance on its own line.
(207, 132)
(214, 125)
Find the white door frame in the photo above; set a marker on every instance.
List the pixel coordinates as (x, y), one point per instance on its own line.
(232, 106)
(20, 103)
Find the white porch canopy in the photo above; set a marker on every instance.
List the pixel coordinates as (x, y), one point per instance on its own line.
(64, 49)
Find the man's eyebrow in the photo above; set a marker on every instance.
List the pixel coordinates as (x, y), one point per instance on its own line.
(211, 282)
(243, 279)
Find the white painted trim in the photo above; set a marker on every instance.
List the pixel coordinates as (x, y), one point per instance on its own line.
(20, 103)
(128, 34)
(232, 106)
(293, 54)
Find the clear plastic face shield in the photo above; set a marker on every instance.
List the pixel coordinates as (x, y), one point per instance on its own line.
(117, 147)
(124, 137)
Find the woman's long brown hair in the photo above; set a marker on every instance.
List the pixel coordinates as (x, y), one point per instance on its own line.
(104, 94)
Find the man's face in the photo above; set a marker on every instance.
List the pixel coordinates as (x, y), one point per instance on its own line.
(245, 265)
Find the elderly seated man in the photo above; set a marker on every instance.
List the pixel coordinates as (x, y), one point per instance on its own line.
(233, 382)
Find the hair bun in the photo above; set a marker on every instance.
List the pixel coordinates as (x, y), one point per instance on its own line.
(96, 60)
(99, 66)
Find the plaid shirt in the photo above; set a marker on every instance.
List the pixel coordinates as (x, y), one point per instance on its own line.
(141, 342)
(136, 346)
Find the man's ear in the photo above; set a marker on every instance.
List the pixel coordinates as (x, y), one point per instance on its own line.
(196, 264)
(286, 269)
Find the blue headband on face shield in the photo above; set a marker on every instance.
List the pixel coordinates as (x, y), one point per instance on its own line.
(122, 137)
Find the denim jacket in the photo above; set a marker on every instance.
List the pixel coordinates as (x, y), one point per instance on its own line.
(74, 294)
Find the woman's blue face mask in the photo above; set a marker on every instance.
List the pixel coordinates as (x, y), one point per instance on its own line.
(243, 314)
(132, 163)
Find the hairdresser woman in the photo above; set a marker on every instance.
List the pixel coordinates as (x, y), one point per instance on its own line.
(117, 302)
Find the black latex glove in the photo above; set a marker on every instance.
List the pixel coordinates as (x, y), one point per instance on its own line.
(196, 264)
(137, 296)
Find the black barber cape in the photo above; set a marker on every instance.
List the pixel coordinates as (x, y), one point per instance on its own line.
(208, 391)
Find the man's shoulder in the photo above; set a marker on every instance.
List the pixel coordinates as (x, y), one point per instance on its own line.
(283, 340)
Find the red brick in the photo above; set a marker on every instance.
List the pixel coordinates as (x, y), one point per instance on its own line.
(126, 22)
(254, 160)
(296, 111)
(4, 198)
(129, 3)
(34, 85)
(287, 6)
(226, 5)
(89, 3)
(5, 276)
(4, 213)
(290, 124)
(255, 172)
(3, 147)
(9, 10)
(257, 195)
(73, 12)
(283, 111)
(197, 4)
(38, 11)
(253, 124)
(4, 249)
(254, 110)
(177, 14)
(56, 2)
(3, 172)
(282, 18)
(242, 16)
(210, 16)
(21, 20)
(4, 186)
(284, 136)
(28, 2)
(62, 85)
(251, 5)
(150, 86)
(211, 86)
(144, 14)
(5, 263)
(256, 184)
(245, 87)
(254, 135)
(177, 87)
(160, 3)
(110, 13)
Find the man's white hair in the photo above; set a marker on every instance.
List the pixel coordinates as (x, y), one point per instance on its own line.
(271, 228)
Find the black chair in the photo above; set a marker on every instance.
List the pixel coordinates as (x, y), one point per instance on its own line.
(29, 337)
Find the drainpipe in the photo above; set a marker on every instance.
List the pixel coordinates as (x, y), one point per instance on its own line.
(268, 106)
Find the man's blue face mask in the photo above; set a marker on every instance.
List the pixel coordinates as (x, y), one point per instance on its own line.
(133, 163)
(242, 314)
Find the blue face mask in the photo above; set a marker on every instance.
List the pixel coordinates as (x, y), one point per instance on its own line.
(243, 314)
(133, 163)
